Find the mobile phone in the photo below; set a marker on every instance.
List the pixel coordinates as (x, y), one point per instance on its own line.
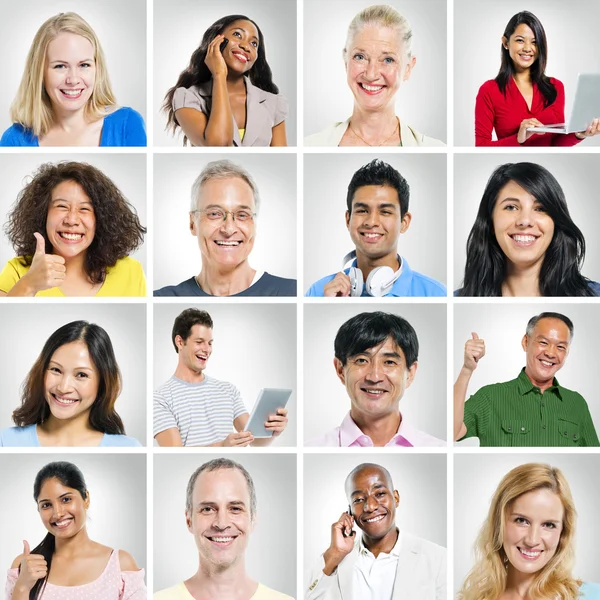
(352, 532)
(223, 44)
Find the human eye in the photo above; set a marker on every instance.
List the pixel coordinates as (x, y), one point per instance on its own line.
(360, 211)
(86, 64)
(206, 509)
(236, 509)
(360, 360)
(45, 505)
(66, 499)
(388, 60)
(82, 375)
(243, 215)
(254, 43)
(358, 56)
(357, 500)
(58, 66)
(391, 362)
(521, 520)
(214, 214)
(510, 206)
(543, 343)
(540, 208)
(54, 369)
(237, 34)
(380, 493)
(550, 525)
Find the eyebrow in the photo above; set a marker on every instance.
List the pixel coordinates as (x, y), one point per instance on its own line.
(382, 205)
(238, 207)
(376, 486)
(214, 504)
(61, 496)
(70, 201)
(543, 337)
(75, 368)
(66, 62)
(245, 31)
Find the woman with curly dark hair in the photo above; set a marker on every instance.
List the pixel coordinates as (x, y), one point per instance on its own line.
(72, 230)
(226, 96)
(69, 395)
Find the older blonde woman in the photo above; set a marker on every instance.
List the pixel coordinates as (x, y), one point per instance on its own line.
(525, 547)
(65, 97)
(378, 60)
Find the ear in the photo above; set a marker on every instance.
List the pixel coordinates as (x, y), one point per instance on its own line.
(193, 224)
(86, 502)
(505, 42)
(406, 219)
(347, 219)
(524, 342)
(409, 67)
(179, 341)
(411, 372)
(339, 370)
(188, 521)
(397, 498)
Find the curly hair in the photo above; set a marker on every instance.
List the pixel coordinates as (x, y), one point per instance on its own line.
(118, 229)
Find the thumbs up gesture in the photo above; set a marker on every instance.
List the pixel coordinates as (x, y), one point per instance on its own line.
(474, 350)
(47, 270)
(33, 567)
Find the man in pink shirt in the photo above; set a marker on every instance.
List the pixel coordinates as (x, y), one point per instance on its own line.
(376, 359)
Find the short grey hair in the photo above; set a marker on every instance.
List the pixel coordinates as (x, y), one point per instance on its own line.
(381, 15)
(215, 465)
(222, 169)
(550, 315)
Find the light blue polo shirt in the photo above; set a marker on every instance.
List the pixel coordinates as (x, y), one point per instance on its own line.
(26, 437)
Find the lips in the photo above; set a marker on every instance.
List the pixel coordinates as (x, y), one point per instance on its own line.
(228, 243)
(72, 94)
(373, 393)
(371, 90)
(64, 400)
(373, 519)
(241, 56)
(371, 237)
(523, 240)
(71, 237)
(546, 363)
(62, 523)
(222, 541)
(529, 554)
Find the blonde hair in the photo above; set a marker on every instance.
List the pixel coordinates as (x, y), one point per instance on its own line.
(487, 579)
(32, 107)
(381, 15)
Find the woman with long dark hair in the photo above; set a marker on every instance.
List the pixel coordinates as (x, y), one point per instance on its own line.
(524, 242)
(522, 96)
(67, 563)
(226, 96)
(69, 395)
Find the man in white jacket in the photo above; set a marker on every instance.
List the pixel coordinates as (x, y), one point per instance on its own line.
(383, 563)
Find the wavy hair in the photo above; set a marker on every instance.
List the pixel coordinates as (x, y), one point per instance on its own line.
(198, 73)
(32, 107)
(118, 229)
(560, 273)
(103, 416)
(487, 579)
(538, 68)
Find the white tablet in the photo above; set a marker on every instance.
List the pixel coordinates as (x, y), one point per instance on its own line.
(267, 403)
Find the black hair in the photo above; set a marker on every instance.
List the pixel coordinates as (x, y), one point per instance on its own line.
(197, 72)
(560, 275)
(549, 315)
(69, 476)
(378, 172)
(538, 68)
(369, 329)
(186, 320)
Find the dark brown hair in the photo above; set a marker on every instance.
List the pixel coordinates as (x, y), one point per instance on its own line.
(118, 229)
(103, 417)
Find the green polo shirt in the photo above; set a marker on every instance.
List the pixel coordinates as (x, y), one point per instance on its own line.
(517, 413)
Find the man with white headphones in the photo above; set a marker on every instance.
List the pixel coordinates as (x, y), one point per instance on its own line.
(377, 214)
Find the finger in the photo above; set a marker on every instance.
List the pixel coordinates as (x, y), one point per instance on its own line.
(26, 550)
(282, 411)
(474, 335)
(40, 245)
(55, 259)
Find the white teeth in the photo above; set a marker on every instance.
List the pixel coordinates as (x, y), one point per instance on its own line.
(71, 92)
(546, 363)
(374, 391)
(63, 523)
(240, 56)
(371, 88)
(529, 553)
(374, 519)
(223, 243)
(65, 400)
(523, 238)
(372, 235)
(222, 540)
(71, 236)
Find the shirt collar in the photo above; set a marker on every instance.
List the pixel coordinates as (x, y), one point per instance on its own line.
(362, 549)
(351, 434)
(525, 386)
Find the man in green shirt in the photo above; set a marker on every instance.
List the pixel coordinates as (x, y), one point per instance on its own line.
(533, 409)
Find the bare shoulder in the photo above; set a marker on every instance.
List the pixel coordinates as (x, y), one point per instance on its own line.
(127, 561)
(16, 562)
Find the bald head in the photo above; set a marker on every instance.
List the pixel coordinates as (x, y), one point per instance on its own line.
(364, 469)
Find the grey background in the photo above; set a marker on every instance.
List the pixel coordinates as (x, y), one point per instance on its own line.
(117, 513)
(502, 327)
(127, 171)
(326, 237)
(476, 477)
(472, 171)
(420, 101)
(271, 552)
(568, 54)
(120, 27)
(419, 478)
(326, 401)
(178, 29)
(254, 347)
(275, 243)
(26, 327)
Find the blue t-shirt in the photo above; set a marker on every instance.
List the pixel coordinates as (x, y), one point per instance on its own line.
(410, 283)
(123, 127)
(590, 591)
(267, 285)
(593, 285)
(26, 437)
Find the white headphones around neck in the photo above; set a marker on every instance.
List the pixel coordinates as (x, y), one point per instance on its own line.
(379, 282)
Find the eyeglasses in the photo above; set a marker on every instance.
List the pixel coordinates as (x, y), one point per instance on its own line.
(218, 214)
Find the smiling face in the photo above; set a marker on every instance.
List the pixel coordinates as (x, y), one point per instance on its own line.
(196, 350)
(522, 47)
(71, 221)
(62, 509)
(70, 72)
(522, 226)
(376, 64)
(71, 381)
(224, 244)
(376, 380)
(546, 349)
(534, 522)
(373, 502)
(242, 50)
(220, 520)
(375, 223)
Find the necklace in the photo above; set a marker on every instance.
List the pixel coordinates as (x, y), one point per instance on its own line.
(384, 141)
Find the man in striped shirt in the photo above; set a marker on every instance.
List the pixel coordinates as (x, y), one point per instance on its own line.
(533, 409)
(193, 409)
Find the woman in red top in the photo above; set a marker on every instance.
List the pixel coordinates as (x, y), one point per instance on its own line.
(522, 96)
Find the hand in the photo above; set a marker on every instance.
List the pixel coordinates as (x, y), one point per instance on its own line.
(342, 542)
(592, 130)
(33, 567)
(239, 438)
(338, 286)
(214, 59)
(46, 270)
(277, 422)
(474, 350)
(523, 134)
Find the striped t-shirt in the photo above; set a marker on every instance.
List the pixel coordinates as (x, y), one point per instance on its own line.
(203, 412)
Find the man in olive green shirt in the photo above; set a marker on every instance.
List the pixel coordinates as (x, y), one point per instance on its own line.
(533, 409)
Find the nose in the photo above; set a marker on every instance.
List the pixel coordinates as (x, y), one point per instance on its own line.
(370, 504)
(72, 216)
(533, 536)
(65, 384)
(58, 510)
(221, 521)
(71, 76)
(229, 225)
(374, 374)
(525, 217)
(372, 70)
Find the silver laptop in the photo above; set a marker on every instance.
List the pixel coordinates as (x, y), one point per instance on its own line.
(585, 109)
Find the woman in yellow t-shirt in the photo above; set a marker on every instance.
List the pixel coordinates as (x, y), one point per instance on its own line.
(72, 230)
